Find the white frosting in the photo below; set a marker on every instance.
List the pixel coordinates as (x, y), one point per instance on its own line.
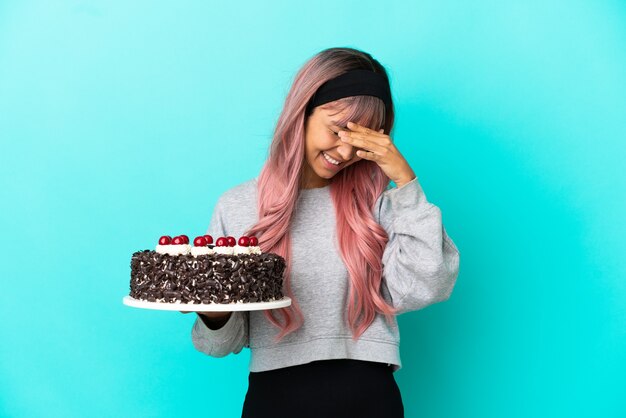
(173, 249)
(223, 250)
(182, 249)
(196, 251)
(238, 249)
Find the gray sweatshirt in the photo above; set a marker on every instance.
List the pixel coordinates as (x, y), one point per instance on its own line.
(421, 264)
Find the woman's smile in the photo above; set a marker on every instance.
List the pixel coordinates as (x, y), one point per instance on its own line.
(330, 162)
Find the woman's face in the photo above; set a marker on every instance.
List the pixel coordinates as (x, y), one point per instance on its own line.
(323, 144)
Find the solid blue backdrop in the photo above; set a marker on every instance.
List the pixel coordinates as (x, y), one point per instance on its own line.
(122, 121)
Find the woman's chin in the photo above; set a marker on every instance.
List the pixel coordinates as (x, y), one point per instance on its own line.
(326, 175)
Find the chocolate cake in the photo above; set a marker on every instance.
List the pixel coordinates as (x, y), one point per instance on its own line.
(223, 273)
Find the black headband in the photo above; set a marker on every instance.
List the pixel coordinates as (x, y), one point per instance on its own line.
(352, 83)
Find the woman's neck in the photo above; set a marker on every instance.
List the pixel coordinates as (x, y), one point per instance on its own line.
(308, 181)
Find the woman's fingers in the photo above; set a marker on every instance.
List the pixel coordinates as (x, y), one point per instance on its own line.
(374, 137)
(367, 155)
(363, 129)
(360, 140)
(369, 140)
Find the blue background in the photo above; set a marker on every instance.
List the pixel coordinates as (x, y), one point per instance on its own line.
(122, 121)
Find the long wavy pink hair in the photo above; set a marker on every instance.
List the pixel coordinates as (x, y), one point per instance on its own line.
(354, 191)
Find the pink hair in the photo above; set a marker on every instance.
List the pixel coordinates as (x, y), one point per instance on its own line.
(354, 191)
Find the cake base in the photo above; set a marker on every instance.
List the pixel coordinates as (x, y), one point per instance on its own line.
(211, 307)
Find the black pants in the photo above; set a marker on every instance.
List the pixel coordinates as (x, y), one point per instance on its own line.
(324, 388)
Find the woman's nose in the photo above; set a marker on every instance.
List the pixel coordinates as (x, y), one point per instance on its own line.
(346, 151)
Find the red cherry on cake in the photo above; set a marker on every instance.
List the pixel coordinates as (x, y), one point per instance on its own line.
(254, 241)
(209, 239)
(165, 240)
(244, 241)
(231, 241)
(199, 241)
(221, 242)
(178, 240)
(185, 238)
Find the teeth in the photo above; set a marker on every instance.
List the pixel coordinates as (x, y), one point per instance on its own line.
(329, 159)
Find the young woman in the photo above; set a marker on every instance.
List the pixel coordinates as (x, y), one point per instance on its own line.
(358, 252)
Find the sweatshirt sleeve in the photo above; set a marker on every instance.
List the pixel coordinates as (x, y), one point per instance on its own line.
(420, 261)
(233, 336)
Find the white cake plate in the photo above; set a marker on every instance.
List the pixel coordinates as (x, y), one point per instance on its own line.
(210, 307)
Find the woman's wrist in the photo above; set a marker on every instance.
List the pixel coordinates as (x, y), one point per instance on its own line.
(403, 182)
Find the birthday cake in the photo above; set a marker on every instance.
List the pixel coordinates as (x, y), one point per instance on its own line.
(228, 272)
